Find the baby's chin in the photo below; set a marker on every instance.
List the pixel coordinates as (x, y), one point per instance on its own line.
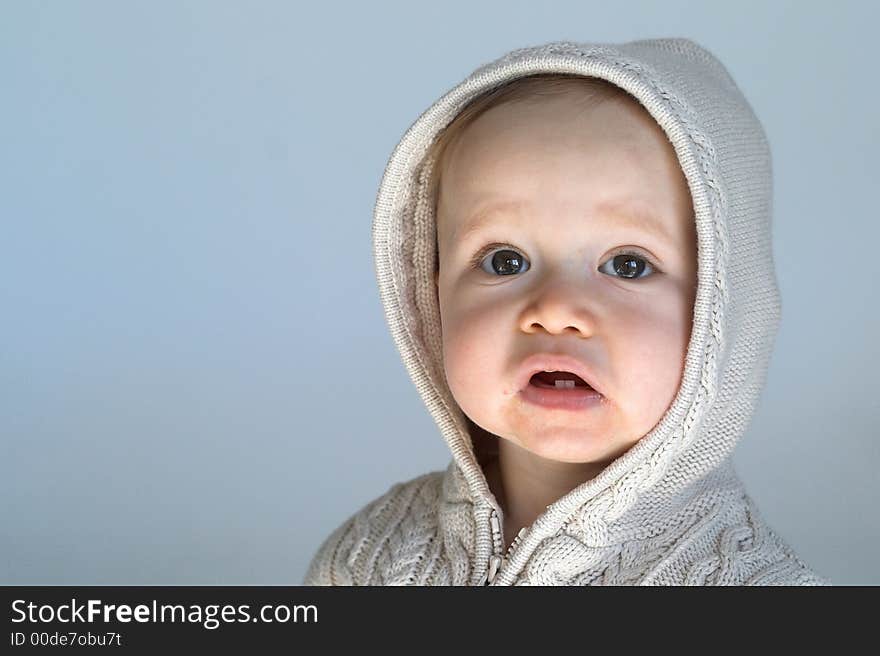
(575, 446)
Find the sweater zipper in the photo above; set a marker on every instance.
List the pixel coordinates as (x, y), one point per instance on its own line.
(497, 561)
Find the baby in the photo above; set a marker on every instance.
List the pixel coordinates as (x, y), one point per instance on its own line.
(567, 242)
(573, 253)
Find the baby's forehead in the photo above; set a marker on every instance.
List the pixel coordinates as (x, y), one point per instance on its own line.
(612, 159)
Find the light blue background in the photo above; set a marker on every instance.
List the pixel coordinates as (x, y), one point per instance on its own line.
(195, 372)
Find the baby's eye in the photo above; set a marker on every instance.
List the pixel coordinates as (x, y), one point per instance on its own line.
(503, 262)
(628, 266)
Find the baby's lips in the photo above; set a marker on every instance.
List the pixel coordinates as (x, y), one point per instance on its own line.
(547, 361)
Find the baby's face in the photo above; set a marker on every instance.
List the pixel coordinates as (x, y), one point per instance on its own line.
(562, 190)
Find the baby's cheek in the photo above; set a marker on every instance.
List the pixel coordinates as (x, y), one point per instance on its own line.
(662, 386)
(469, 371)
(460, 359)
(455, 357)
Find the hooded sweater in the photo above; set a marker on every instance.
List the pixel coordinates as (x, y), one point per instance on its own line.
(671, 510)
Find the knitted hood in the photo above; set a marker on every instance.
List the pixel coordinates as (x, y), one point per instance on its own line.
(678, 479)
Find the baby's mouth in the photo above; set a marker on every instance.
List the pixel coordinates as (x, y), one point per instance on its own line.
(558, 380)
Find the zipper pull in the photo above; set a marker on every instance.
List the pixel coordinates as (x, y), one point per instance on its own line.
(495, 563)
(495, 560)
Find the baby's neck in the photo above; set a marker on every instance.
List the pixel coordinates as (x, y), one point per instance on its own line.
(525, 484)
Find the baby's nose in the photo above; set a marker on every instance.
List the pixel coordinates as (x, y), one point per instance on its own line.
(559, 306)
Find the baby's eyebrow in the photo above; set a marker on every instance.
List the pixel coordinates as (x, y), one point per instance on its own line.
(485, 216)
(621, 213)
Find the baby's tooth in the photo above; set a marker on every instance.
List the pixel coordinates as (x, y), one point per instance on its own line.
(564, 383)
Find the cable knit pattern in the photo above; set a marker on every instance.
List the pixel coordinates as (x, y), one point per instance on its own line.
(670, 511)
(419, 533)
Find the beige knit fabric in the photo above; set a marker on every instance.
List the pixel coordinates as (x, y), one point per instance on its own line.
(670, 511)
